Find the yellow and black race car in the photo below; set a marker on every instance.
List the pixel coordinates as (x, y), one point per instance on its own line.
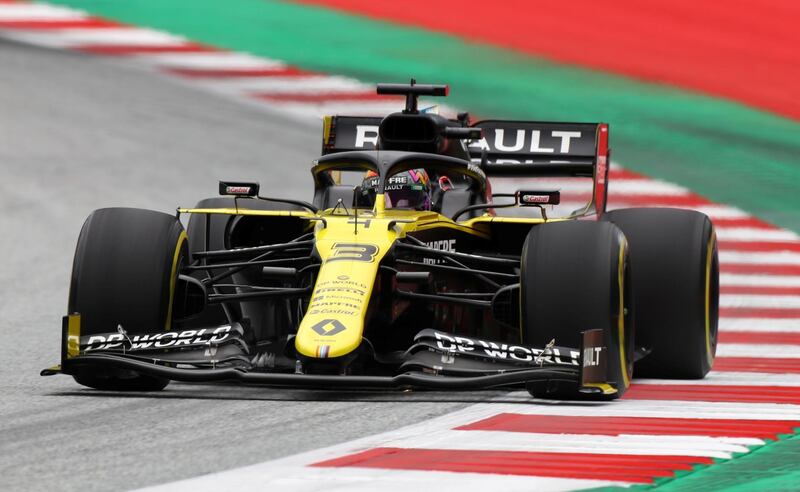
(405, 271)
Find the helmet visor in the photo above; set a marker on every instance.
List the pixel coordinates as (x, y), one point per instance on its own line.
(408, 198)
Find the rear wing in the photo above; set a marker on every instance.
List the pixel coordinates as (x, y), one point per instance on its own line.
(507, 148)
(526, 148)
(533, 149)
(346, 133)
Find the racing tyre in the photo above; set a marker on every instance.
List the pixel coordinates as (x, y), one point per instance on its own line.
(576, 277)
(675, 268)
(124, 273)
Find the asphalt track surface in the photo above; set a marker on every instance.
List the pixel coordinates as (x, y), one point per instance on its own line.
(79, 133)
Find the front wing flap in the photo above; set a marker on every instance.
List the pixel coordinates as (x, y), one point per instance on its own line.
(437, 360)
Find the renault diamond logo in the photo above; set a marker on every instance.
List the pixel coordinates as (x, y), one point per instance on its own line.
(329, 327)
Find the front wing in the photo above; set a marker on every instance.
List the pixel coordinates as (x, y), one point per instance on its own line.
(436, 361)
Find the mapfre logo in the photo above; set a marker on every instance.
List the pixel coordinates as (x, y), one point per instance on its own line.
(440, 245)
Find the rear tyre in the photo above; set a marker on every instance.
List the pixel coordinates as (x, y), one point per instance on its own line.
(575, 277)
(676, 277)
(124, 273)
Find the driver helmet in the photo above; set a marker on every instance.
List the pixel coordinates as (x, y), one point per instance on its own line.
(409, 189)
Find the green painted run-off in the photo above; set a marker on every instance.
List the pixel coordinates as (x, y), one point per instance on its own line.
(774, 467)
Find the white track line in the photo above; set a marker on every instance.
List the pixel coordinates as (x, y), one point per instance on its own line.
(37, 12)
(766, 258)
(37, 38)
(111, 36)
(761, 301)
(218, 61)
(732, 379)
(360, 108)
(312, 84)
(713, 447)
(765, 351)
(712, 210)
(293, 475)
(722, 211)
(759, 325)
(632, 187)
(640, 408)
(750, 234)
(759, 280)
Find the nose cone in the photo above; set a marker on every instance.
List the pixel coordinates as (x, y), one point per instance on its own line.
(334, 323)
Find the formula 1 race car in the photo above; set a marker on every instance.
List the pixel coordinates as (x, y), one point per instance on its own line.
(405, 271)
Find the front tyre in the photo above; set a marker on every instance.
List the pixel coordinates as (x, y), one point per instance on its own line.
(124, 273)
(576, 277)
